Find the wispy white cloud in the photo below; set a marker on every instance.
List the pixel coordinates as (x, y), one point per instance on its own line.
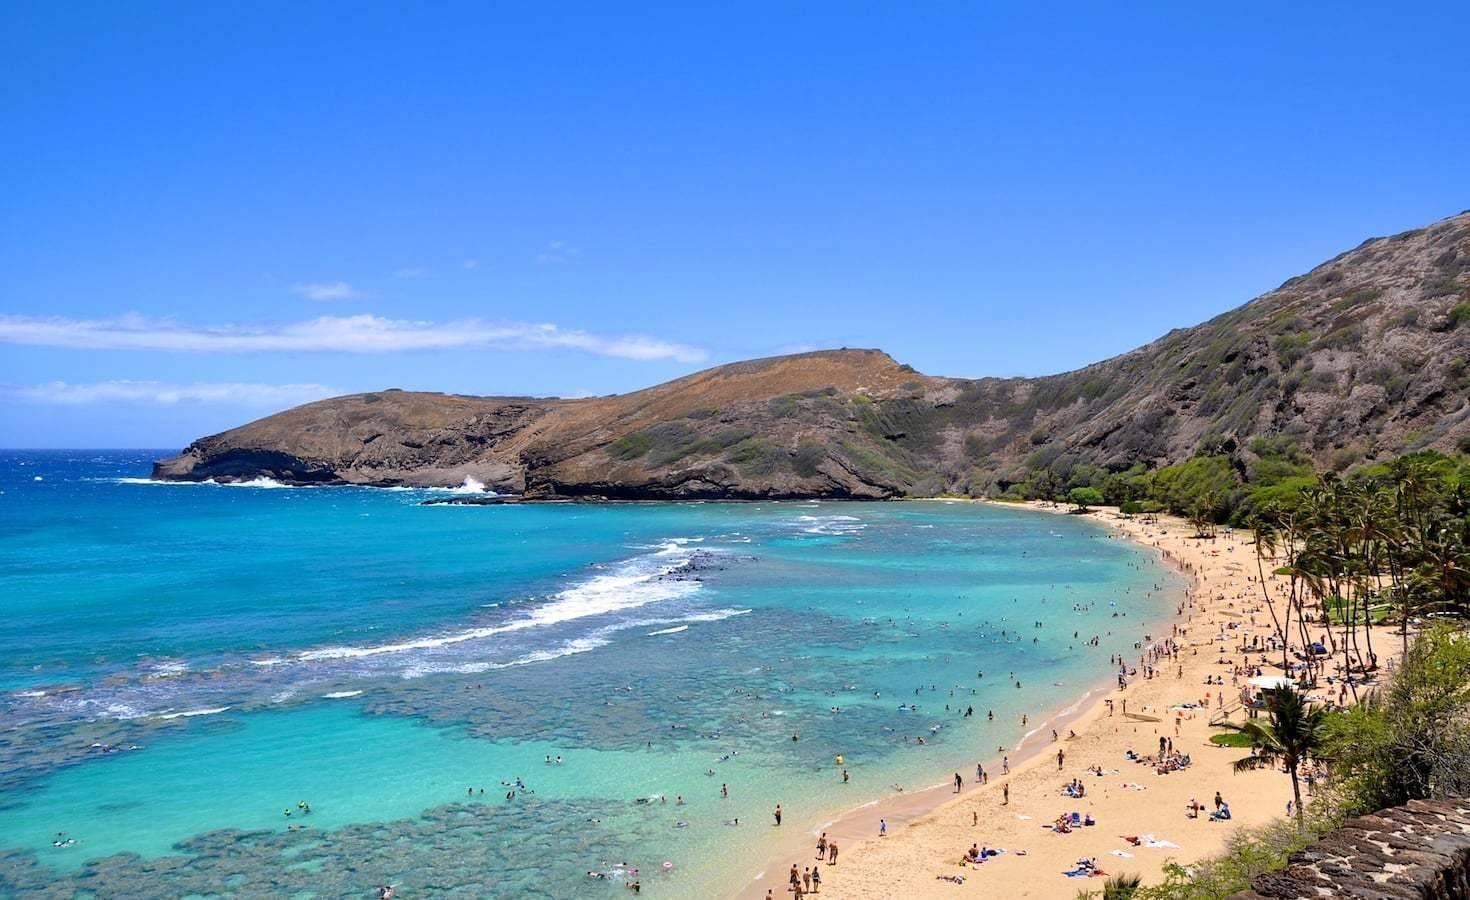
(62, 393)
(336, 290)
(472, 264)
(341, 334)
(412, 272)
(557, 252)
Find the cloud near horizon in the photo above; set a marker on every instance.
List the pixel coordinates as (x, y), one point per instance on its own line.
(340, 334)
(62, 393)
(337, 290)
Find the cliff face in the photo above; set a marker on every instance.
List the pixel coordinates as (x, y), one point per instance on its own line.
(1366, 355)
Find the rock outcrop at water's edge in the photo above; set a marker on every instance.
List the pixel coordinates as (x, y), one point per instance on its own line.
(1366, 356)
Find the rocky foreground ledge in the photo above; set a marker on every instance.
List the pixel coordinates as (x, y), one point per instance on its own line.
(1419, 851)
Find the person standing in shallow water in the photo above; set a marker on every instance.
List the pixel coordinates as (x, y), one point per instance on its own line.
(778, 816)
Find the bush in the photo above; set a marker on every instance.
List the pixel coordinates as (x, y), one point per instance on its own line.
(1250, 852)
(1085, 497)
(807, 458)
(755, 456)
(1341, 338)
(1411, 741)
(631, 446)
(1204, 480)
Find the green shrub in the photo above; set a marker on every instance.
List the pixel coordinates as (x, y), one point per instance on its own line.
(807, 458)
(631, 446)
(1291, 347)
(1341, 338)
(756, 456)
(1085, 497)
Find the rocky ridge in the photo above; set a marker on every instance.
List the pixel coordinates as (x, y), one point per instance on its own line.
(1367, 355)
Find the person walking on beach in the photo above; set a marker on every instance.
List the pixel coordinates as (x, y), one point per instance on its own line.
(778, 823)
(1005, 795)
(1061, 757)
(882, 828)
(816, 879)
(806, 879)
(832, 853)
(1005, 765)
(959, 783)
(822, 846)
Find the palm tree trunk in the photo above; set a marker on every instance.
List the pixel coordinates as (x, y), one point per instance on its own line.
(1275, 619)
(1296, 792)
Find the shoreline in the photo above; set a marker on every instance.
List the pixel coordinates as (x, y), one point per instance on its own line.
(929, 830)
(854, 825)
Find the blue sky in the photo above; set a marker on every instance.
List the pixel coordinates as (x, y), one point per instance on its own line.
(212, 211)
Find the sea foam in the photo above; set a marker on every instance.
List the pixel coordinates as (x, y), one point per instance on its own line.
(636, 582)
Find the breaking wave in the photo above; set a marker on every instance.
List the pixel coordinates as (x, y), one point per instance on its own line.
(831, 525)
(633, 583)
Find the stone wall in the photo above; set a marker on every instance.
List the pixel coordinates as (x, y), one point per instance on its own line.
(1419, 851)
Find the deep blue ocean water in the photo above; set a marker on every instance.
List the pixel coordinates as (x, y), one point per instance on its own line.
(182, 665)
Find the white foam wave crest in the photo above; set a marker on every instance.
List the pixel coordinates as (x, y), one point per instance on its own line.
(831, 525)
(341, 695)
(191, 713)
(259, 481)
(675, 630)
(470, 485)
(599, 638)
(578, 645)
(637, 582)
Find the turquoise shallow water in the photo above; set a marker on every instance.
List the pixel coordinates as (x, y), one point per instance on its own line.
(187, 662)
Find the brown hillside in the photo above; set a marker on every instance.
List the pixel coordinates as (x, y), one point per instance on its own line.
(1366, 355)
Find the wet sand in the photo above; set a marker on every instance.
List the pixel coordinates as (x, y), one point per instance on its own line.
(930, 830)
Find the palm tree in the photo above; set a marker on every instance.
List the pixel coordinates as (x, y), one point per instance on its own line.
(1118, 887)
(1121, 887)
(1266, 546)
(1294, 731)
